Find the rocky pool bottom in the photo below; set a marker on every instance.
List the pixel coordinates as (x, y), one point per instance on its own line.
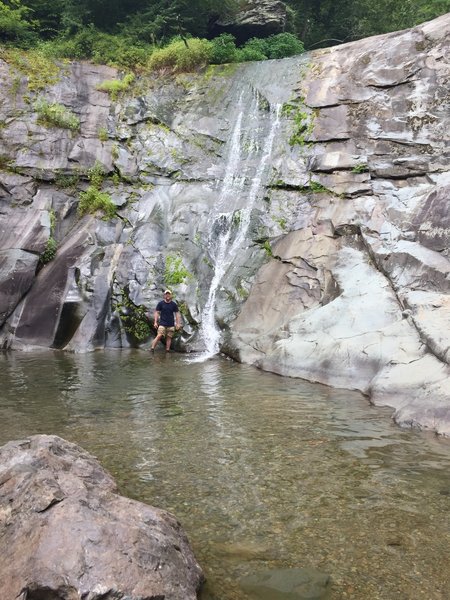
(265, 473)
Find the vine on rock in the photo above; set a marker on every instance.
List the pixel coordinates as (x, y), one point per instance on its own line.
(134, 317)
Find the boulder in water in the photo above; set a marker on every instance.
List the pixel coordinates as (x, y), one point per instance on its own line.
(66, 533)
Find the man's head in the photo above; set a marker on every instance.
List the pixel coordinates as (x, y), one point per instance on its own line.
(167, 295)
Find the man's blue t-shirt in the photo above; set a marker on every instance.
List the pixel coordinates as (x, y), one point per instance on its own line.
(167, 311)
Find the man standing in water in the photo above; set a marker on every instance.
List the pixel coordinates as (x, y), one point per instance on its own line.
(166, 320)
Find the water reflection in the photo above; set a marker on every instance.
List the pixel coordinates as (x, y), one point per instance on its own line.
(263, 472)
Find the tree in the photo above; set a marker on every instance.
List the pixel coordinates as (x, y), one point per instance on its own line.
(15, 25)
(324, 22)
(163, 19)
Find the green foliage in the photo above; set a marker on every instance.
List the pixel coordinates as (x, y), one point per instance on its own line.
(93, 200)
(432, 8)
(303, 121)
(47, 16)
(117, 50)
(134, 318)
(115, 152)
(242, 292)
(98, 46)
(96, 175)
(281, 222)
(40, 71)
(360, 168)
(67, 181)
(223, 49)
(254, 49)
(103, 134)
(52, 215)
(175, 272)
(275, 46)
(181, 55)
(49, 252)
(266, 246)
(124, 32)
(329, 22)
(115, 87)
(318, 188)
(6, 163)
(56, 115)
(15, 24)
(282, 45)
(52, 245)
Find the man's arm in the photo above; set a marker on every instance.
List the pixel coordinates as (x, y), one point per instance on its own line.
(178, 319)
(156, 318)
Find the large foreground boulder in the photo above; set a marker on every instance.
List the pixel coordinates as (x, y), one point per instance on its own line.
(66, 534)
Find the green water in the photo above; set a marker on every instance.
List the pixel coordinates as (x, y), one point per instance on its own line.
(263, 472)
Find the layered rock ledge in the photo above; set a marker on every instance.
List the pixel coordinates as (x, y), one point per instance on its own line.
(67, 534)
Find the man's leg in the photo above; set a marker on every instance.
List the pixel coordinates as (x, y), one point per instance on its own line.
(169, 334)
(159, 335)
(155, 341)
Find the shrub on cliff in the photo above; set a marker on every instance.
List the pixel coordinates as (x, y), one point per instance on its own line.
(186, 55)
(56, 115)
(50, 251)
(93, 200)
(223, 49)
(181, 55)
(282, 45)
(254, 49)
(114, 87)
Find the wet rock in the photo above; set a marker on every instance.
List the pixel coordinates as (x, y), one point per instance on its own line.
(287, 584)
(70, 535)
(432, 221)
(256, 18)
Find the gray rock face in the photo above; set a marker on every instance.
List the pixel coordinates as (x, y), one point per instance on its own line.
(256, 18)
(69, 534)
(304, 199)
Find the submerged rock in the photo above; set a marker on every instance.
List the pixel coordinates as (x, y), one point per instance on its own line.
(67, 534)
(287, 584)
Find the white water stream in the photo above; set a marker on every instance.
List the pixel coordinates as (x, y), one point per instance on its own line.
(231, 217)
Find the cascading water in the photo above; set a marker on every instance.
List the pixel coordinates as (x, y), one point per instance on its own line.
(230, 227)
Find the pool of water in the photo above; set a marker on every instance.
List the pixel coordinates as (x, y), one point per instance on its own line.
(263, 472)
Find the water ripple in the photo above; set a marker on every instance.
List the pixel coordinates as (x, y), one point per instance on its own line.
(263, 472)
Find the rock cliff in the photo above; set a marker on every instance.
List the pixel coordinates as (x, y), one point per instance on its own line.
(299, 209)
(255, 18)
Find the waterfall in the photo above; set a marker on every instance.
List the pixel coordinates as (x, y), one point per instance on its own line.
(231, 217)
